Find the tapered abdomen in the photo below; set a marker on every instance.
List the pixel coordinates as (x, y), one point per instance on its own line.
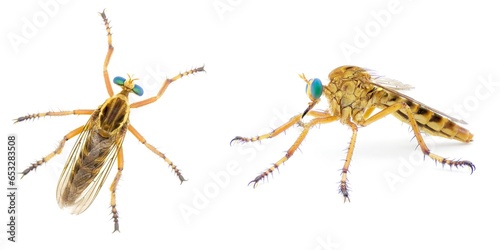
(427, 119)
(91, 160)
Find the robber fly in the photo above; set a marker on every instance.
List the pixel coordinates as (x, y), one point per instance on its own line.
(99, 142)
(353, 93)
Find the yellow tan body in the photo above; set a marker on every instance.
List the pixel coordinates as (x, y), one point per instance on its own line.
(99, 143)
(102, 136)
(352, 93)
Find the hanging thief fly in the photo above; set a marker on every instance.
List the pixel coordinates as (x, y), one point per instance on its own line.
(353, 93)
(99, 142)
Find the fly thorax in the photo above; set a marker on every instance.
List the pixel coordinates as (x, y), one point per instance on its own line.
(114, 114)
(351, 91)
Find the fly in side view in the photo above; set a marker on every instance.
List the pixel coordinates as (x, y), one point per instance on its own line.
(353, 93)
(99, 142)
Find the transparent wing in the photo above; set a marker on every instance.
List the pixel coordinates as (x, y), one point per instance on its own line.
(87, 190)
(395, 86)
(386, 82)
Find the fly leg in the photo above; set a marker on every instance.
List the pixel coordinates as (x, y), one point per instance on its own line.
(294, 120)
(345, 169)
(166, 83)
(425, 150)
(114, 211)
(154, 150)
(296, 144)
(272, 134)
(52, 113)
(53, 153)
(68, 136)
(108, 54)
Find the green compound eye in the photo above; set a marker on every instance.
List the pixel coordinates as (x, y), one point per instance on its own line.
(138, 90)
(314, 89)
(119, 80)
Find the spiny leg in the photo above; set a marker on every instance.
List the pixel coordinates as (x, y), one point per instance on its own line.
(167, 82)
(108, 55)
(154, 150)
(272, 134)
(343, 181)
(282, 128)
(58, 150)
(294, 147)
(114, 211)
(56, 113)
(413, 123)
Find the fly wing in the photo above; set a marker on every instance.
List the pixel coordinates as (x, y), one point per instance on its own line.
(87, 167)
(395, 86)
(386, 82)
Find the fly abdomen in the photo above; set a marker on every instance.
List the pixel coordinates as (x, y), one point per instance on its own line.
(427, 119)
(91, 160)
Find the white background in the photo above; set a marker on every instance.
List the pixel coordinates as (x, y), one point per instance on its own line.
(253, 53)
